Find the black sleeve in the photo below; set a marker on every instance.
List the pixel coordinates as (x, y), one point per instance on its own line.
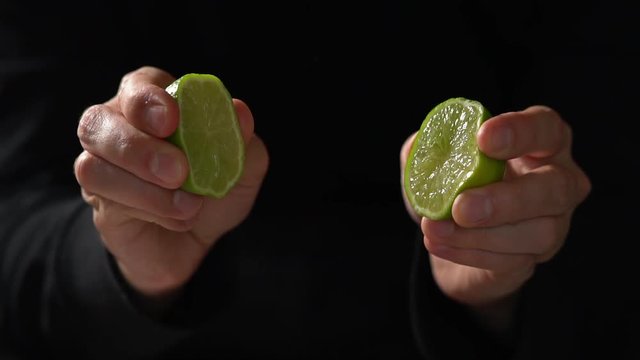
(59, 293)
(572, 308)
(442, 328)
(546, 322)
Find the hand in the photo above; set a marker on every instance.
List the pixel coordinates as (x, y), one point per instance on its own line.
(501, 231)
(157, 233)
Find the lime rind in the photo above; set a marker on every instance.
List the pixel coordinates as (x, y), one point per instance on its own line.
(209, 134)
(445, 160)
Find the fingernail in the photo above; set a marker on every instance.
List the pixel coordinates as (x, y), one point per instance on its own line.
(442, 228)
(501, 139)
(155, 114)
(186, 203)
(475, 207)
(166, 168)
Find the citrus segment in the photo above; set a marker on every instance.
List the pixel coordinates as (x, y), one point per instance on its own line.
(208, 133)
(445, 159)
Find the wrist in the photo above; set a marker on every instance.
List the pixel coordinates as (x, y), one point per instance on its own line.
(153, 303)
(497, 318)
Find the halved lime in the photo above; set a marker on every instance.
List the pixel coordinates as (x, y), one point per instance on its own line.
(445, 159)
(208, 133)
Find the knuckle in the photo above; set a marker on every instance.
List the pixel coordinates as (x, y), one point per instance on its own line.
(428, 242)
(100, 220)
(565, 133)
(124, 147)
(147, 70)
(141, 96)
(90, 123)
(136, 98)
(91, 199)
(562, 190)
(264, 157)
(583, 185)
(124, 82)
(84, 168)
(108, 215)
(565, 128)
(135, 73)
(130, 77)
(550, 112)
(157, 76)
(151, 73)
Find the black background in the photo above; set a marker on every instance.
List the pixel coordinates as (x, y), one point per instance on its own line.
(336, 89)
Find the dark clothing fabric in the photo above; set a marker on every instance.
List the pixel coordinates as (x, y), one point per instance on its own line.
(328, 265)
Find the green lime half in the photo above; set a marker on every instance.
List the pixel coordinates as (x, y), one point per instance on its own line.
(208, 133)
(445, 159)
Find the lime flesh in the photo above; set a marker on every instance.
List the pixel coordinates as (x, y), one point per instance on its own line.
(208, 133)
(445, 160)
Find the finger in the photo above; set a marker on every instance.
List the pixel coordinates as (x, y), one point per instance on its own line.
(482, 259)
(145, 103)
(539, 236)
(537, 131)
(101, 178)
(256, 163)
(245, 119)
(546, 191)
(243, 194)
(404, 154)
(105, 133)
(406, 148)
(109, 213)
(90, 198)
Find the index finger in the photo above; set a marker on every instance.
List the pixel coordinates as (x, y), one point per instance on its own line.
(145, 104)
(537, 131)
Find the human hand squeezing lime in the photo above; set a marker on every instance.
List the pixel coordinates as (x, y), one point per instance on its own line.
(486, 237)
(135, 179)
